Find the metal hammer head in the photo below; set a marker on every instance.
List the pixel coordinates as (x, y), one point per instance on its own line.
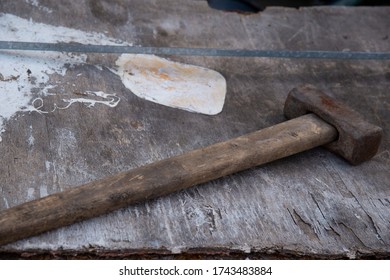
(358, 140)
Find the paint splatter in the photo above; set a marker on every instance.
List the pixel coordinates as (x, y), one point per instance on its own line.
(110, 100)
(36, 4)
(30, 193)
(30, 139)
(25, 75)
(188, 87)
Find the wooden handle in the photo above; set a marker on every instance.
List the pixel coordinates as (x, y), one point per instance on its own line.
(164, 177)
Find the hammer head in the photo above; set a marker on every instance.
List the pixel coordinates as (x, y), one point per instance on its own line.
(358, 140)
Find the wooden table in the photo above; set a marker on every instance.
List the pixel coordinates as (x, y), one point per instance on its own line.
(310, 205)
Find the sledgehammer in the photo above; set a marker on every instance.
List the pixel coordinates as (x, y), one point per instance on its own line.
(316, 120)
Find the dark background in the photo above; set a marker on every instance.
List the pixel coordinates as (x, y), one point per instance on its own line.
(259, 5)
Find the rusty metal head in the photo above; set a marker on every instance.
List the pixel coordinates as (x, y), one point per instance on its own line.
(358, 140)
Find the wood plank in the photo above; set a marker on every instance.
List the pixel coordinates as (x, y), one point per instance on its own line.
(312, 204)
(164, 177)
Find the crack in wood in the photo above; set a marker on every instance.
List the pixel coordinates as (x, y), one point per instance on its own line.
(286, 183)
(370, 220)
(334, 231)
(305, 226)
(318, 206)
(292, 217)
(387, 201)
(353, 234)
(374, 226)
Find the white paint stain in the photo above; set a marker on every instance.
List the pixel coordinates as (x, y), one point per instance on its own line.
(43, 191)
(47, 165)
(110, 100)
(67, 142)
(30, 193)
(31, 139)
(177, 249)
(6, 202)
(244, 248)
(25, 75)
(188, 87)
(35, 3)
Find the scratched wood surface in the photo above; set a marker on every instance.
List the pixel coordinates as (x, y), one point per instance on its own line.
(311, 204)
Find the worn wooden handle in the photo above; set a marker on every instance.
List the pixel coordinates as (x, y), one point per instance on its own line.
(164, 177)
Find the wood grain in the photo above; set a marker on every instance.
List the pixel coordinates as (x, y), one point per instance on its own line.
(311, 204)
(164, 177)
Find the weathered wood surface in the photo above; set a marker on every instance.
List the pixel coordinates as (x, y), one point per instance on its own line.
(164, 177)
(313, 203)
